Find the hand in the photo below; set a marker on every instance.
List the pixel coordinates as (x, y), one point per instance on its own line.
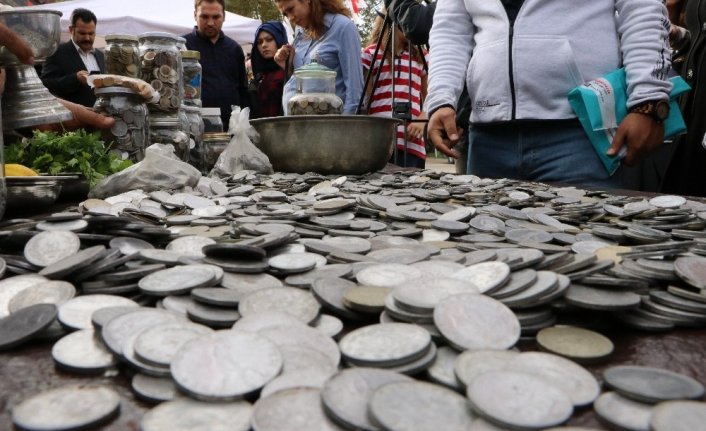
(282, 55)
(82, 117)
(415, 130)
(640, 134)
(82, 76)
(443, 132)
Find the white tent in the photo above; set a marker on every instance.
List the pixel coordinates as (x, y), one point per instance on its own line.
(139, 16)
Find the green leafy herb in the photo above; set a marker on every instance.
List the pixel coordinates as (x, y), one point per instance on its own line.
(79, 151)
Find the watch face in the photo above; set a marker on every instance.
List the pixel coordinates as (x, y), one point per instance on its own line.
(662, 110)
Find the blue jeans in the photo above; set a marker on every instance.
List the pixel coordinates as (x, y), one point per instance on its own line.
(546, 151)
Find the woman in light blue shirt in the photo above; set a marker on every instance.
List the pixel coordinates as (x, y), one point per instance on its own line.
(325, 32)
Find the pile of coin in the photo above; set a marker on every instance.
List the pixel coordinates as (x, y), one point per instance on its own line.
(122, 55)
(321, 296)
(315, 104)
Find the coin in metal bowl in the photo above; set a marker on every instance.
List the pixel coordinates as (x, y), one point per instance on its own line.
(76, 313)
(46, 248)
(291, 409)
(226, 365)
(472, 321)
(578, 344)
(21, 326)
(385, 344)
(67, 408)
(472, 363)
(678, 416)
(290, 300)
(487, 276)
(652, 385)
(184, 414)
(82, 352)
(579, 384)
(419, 406)
(623, 413)
(345, 396)
(518, 400)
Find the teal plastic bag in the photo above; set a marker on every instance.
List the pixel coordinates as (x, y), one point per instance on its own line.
(601, 105)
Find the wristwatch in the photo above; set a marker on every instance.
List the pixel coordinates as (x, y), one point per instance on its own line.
(657, 109)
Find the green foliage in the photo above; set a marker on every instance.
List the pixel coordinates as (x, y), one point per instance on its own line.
(366, 17)
(264, 10)
(79, 151)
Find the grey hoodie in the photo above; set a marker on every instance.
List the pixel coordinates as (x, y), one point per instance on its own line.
(525, 71)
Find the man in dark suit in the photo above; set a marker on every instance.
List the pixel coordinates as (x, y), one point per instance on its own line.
(65, 73)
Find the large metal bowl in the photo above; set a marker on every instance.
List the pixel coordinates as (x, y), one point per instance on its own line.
(39, 28)
(327, 144)
(32, 192)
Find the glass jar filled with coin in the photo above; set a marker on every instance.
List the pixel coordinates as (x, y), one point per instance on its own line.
(167, 129)
(316, 91)
(193, 114)
(122, 55)
(161, 67)
(213, 146)
(192, 77)
(131, 129)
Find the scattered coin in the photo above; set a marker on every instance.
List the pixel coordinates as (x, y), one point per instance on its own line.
(298, 408)
(652, 385)
(678, 416)
(577, 344)
(22, 325)
(623, 413)
(184, 414)
(385, 345)
(82, 352)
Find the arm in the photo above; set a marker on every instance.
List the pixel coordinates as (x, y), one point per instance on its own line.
(644, 27)
(351, 66)
(55, 78)
(450, 41)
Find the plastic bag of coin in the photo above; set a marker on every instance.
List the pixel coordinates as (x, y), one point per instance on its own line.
(241, 154)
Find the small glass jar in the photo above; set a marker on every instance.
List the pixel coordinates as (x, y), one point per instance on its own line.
(161, 67)
(212, 121)
(167, 129)
(130, 131)
(181, 43)
(195, 131)
(213, 146)
(316, 91)
(192, 77)
(122, 55)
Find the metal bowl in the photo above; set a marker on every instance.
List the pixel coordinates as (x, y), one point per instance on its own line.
(39, 28)
(327, 144)
(32, 192)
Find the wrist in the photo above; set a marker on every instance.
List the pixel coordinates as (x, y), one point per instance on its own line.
(446, 105)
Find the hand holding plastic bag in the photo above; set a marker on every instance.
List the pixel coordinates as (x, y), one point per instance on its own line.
(241, 154)
(161, 169)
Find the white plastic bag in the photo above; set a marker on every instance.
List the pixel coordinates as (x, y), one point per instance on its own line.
(161, 169)
(241, 154)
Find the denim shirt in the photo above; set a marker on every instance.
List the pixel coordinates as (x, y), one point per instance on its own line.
(338, 49)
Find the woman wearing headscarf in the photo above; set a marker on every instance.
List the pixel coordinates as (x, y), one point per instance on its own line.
(268, 77)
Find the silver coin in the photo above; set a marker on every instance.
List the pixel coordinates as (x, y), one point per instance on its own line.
(49, 247)
(68, 407)
(528, 235)
(329, 292)
(577, 344)
(652, 385)
(419, 406)
(213, 317)
(12, 286)
(302, 378)
(193, 201)
(568, 376)
(118, 330)
(246, 283)
(296, 409)
(73, 263)
(486, 276)
(225, 365)
(518, 400)
(76, 313)
(129, 246)
(328, 325)
(293, 263)
(153, 389)
(442, 370)
(179, 279)
(299, 343)
(623, 413)
(70, 225)
(667, 201)
(82, 352)
(190, 245)
(459, 214)
(692, 270)
(184, 414)
(306, 279)
(258, 321)
(424, 295)
(345, 395)
(601, 299)
(472, 363)
(24, 324)
(386, 344)
(588, 247)
(166, 257)
(176, 304)
(471, 321)
(158, 345)
(678, 416)
(103, 315)
(432, 269)
(50, 292)
(209, 211)
(546, 283)
(387, 275)
(216, 296)
(296, 302)
(519, 281)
